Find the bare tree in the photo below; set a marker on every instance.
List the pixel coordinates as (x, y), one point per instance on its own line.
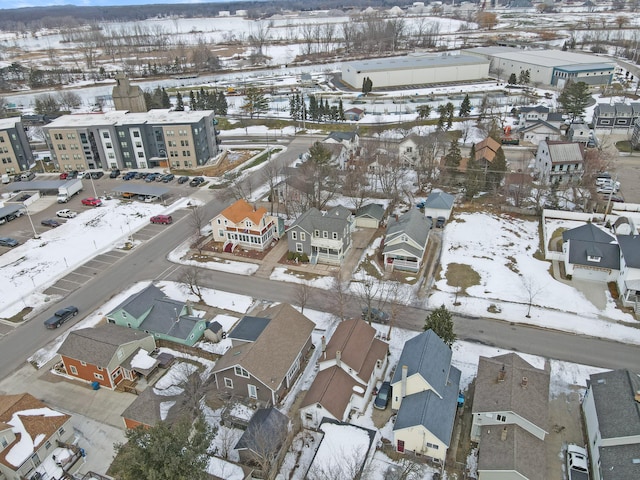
(191, 278)
(271, 173)
(69, 100)
(266, 442)
(339, 296)
(533, 290)
(197, 222)
(226, 439)
(345, 463)
(303, 294)
(368, 291)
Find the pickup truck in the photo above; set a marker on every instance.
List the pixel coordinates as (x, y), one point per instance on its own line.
(60, 317)
(577, 467)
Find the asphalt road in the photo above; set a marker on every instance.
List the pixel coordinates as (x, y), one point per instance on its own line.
(148, 262)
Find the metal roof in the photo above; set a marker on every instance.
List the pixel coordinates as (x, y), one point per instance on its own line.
(141, 189)
(9, 209)
(585, 68)
(36, 185)
(413, 62)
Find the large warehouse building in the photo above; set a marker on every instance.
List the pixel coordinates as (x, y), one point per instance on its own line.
(547, 67)
(415, 70)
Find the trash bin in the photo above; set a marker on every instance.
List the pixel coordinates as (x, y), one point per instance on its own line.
(95, 385)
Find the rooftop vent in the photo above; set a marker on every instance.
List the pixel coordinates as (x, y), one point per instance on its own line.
(502, 374)
(525, 382)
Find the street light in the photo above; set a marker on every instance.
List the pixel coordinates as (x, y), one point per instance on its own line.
(35, 234)
(93, 185)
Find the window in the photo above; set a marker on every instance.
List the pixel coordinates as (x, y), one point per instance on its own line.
(308, 416)
(253, 391)
(136, 134)
(47, 445)
(228, 383)
(316, 233)
(73, 370)
(432, 445)
(61, 431)
(299, 247)
(303, 236)
(105, 134)
(98, 376)
(294, 235)
(99, 369)
(121, 134)
(4, 442)
(241, 372)
(335, 235)
(325, 234)
(84, 364)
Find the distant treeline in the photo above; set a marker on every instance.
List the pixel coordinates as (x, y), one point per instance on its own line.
(33, 18)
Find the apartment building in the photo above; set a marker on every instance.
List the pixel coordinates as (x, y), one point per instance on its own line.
(119, 139)
(15, 152)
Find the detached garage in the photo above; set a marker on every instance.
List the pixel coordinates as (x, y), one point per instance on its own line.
(415, 70)
(590, 253)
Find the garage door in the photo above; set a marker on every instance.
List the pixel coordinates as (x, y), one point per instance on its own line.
(366, 222)
(590, 274)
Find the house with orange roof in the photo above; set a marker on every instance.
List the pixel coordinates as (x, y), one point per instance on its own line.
(243, 225)
(350, 366)
(34, 439)
(486, 151)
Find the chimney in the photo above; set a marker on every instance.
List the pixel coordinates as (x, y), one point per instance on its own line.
(189, 309)
(403, 388)
(503, 435)
(338, 358)
(501, 374)
(525, 382)
(323, 342)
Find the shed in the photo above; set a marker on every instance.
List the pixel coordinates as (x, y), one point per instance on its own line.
(369, 216)
(214, 332)
(439, 204)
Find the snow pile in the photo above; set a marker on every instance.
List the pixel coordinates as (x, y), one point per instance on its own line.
(170, 383)
(342, 452)
(142, 360)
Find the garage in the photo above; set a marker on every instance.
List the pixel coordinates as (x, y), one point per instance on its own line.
(581, 272)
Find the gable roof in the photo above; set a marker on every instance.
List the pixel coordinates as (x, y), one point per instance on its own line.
(333, 220)
(98, 345)
(581, 251)
(332, 388)
(541, 123)
(630, 247)
(341, 136)
(486, 149)
(520, 451)
(356, 110)
(428, 356)
(373, 210)
(588, 233)
(531, 402)
(138, 303)
(147, 407)
(359, 347)
(271, 355)
(38, 421)
(241, 209)
(249, 328)
(613, 394)
(265, 433)
(426, 408)
(439, 200)
(413, 224)
(537, 108)
(565, 152)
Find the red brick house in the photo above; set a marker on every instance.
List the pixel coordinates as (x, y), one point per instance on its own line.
(105, 354)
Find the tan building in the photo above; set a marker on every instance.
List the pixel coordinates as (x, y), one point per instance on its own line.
(128, 97)
(15, 152)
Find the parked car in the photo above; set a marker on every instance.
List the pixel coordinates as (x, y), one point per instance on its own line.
(24, 197)
(151, 177)
(140, 175)
(97, 175)
(129, 176)
(164, 219)
(72, 174)
(150, 198)
(50, 223)
(92, 202)
(183, 179)
(159, 177)
(421, 204)
(440, 221)
(375, 314)
(61, 316)
(66, 213)
(196, 181)
(384, 394)
(168, 177)
(64, 175)
(8, 242)
(577, 466)
(115, 173)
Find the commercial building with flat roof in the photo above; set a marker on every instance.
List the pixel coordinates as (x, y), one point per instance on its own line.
(415, 70)
(548, 66)
(119, 139)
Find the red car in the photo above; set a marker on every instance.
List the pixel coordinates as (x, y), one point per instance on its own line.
(64, 175)
(165, 219)
(92, 202)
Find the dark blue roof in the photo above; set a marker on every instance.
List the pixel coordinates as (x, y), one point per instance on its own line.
(267, 430)
(249, 328)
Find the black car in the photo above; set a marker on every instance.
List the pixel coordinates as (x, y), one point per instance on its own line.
(61, 316)
(129, 175)
(384, 394)
(183, 179)
(114, 173)
(440, 221)
(50, 223)
(97, 175)
(72, 174)
(168, 177)
(8, 242)
(375, 314)
(196, 181)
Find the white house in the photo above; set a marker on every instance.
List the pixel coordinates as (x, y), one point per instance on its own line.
(243, 225)
(559, 162)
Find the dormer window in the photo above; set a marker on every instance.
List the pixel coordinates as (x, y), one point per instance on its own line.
(594, 259)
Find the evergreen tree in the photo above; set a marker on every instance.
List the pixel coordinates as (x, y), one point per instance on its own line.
(453, 157)
(441, 322)
(424, 111)
(179, 103)
(193, 104)
(367, 85)
(442, 118)
(255, 102)
(513, 79)
(222, 106)
(340, 111)
(474, 180)
(450, 112)
(165, 101)
(525, 77)
(575, 98)
(465, 107)
(314, 114)
(498, 170)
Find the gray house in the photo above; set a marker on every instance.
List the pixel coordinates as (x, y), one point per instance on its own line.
(439, 204)
(590, 253)
(406, 241)
(370, 215)
(324, 237)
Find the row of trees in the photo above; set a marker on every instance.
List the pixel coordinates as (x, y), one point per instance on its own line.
(208, 100)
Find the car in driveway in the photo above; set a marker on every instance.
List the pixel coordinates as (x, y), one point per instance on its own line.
(61, 316)
(383, 396)
(375, 314)
(440, 221)
(164, 219)
(66, 213)
(8, 242)
(577, 465)
(183, 179)
(50, 223)
(92, 202)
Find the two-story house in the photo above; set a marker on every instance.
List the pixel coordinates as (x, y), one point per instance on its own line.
(405, 241)
(425, 390)
(559, 162)
(486, 152)
(242, 225)
(104, 354)
(510, 418)
(266, 356)
(343, 146)
(617, 118)
(611, 412)
(349, 367)
(409, 150)
(324, 236)
(30, 432)
(591, 253)
(152, 312)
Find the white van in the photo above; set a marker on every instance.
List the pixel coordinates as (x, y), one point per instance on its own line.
(6, 178)
(26, 176)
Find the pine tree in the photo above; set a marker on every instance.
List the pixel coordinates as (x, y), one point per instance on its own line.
(255, 102)
(450, 112)
(574, 98)
(465, 107)
(340, 111)
(453, 157)
(313, 108)
(193, 104)
(424, 111)
(441, 322)
(513, 79)
(165, 101)
(222, 106)
(179, 103)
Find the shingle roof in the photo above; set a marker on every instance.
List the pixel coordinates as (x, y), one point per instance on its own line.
(136, 305)
(618, 462)
(146, 408)
(440, 200)
(588, 233)
(373, 210)
(604, 108)
(434, 413)
(520, 451)
(487, 149)
(335, 219)
(98, 345)
(537, 108)
(332, 388)
(580, 251)
(427, 355)
(241, 209)
(613, 394)
(270, 357)
(541, 123)
(630, 247)
(249, 328)
(415, 225)
(341, 136)
(565, 152)
(530, 402)
(265, 433)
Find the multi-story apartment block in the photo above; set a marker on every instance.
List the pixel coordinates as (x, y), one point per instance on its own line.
(119, 139)
(15, 152)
